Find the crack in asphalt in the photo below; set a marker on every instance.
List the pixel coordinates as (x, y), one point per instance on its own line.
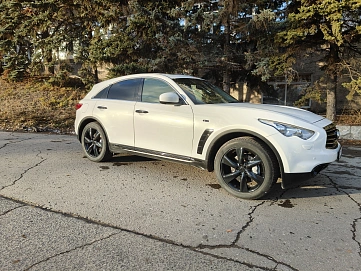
(71, 250)
(356, 220)
(196, 249)
(234, 243)
(268, 257)
(25, 171)
(340, 188)
(13, 209)
(12, 141)
(349, 166)
(349, 187)
(251, 218)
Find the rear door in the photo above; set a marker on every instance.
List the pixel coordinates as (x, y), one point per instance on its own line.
(115, 109)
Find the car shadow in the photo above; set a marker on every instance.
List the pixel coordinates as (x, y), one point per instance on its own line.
(120, 158)
(320, 186)
(313, 188)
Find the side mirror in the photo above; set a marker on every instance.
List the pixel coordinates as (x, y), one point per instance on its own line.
(169, 98)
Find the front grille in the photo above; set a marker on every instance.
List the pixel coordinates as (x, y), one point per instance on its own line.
(332, 136)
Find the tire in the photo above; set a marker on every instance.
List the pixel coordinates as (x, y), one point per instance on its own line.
(246, 167)
(95, 143)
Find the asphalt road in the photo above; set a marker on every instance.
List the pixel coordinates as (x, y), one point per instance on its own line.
(60, 211)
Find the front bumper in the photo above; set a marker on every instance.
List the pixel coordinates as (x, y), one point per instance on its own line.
(290, 180)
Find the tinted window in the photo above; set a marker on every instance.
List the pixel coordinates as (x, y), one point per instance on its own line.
(203, 92)
(125, 90)
(102, 94)
(153, 88)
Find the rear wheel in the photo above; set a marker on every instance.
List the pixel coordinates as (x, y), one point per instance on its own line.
(246, 167)
(94, 142)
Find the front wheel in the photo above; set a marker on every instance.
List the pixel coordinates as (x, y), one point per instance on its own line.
(246, 167)
(94, 142)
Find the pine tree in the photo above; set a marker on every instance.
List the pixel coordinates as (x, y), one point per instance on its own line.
(222, 30)
(15, 43)
(331, 27)
(146, 37)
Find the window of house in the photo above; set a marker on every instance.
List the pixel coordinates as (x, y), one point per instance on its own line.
(287, 93)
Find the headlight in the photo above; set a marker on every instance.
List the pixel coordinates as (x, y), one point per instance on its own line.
(289, 130)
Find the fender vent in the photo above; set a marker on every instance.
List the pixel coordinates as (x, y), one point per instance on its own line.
(203, 139)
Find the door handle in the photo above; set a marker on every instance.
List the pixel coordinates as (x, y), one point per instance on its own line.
(141, 111)
(102, 107)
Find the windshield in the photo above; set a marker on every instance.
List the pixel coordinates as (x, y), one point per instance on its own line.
(203, 92)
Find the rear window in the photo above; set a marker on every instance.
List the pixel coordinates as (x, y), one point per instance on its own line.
(102, 94)
(124, 90)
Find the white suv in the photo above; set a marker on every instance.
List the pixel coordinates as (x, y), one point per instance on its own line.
(186, 119)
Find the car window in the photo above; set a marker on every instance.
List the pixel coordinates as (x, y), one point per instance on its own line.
(153, 88)
(102, 94)
(203, 92)
(125, 90)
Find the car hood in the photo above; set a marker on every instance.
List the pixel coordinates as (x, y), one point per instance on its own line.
(294, 112)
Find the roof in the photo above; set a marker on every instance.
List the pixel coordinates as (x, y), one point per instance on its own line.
(105, 83)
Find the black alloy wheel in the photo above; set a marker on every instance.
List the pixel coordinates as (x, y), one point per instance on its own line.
(246, 167)
(95, 143)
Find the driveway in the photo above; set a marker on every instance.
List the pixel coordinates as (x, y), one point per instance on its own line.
(60, 211)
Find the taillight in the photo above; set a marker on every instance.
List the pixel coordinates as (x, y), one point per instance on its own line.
(77, 106)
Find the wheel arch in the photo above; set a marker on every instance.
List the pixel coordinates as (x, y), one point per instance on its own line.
(217, 142)
(84, 122)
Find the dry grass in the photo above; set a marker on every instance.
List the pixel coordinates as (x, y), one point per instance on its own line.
(37, 106)
(353, 118)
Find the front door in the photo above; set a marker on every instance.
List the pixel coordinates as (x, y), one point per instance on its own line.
(162, 127)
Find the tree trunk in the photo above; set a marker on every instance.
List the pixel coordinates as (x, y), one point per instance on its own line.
(331, 99)
(226, 51)
(96, 74)
(332, 70)
(226, 81)
(48, 56)
(48, 66)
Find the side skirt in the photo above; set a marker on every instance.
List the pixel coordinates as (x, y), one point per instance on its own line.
(117, 148)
